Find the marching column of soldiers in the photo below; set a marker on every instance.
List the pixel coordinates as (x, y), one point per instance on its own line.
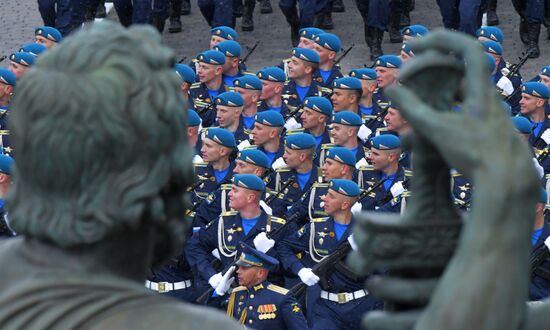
(285, 158)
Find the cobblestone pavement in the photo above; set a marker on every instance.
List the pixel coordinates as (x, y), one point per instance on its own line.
(20, 17)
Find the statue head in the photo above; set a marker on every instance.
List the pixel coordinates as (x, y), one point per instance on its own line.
(98, 129)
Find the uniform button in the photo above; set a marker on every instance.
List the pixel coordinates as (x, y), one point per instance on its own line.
(252, 296)
(249, 321)
(250, 307)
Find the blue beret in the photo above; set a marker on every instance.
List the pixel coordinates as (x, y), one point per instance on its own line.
(491, 62)
(342, 155)
(270, 118)
(347, 118)
(249, 82)
(329, 41)
(49, 32)
(507, 107)
(300, 141)
(193, 118)
(225, 32)
(185, 72)
(385, 142)
(545, 71)
(7, 77)
(6, 163)
(345, 187)
(363, 74)
(221, 136)
(492, 47)
(416, 30)
(310, 32)
(230, 99)
(522, 124)
(251, 257)
(319, 104)
(406, 48)
(229, 48)
(536, 89)
(272, 73)
(306, 54)
(543, 197)
(249, 181)
(491, 32)
(34, 49)
(347, 83)
(26, 59)
(388, 61)
(254, 157)
(212, 57)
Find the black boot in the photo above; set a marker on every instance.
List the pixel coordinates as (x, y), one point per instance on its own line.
(158, 23)
(265, 7)
(338, 6)
(247, 23)
(327, 22)
(373, 37)
(237, 8)
(175, 11)
(523, 35)
(492, 17)
(186, 7)
(318, 20)
(101, 12)
(295, 34)
(533, 31)
(395, 31)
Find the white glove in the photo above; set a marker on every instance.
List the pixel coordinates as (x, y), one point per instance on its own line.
(397, 189)
(356, 208)
(279, 162)
(308, 277)
(292, 124)
(364, 133)
(362, 162)
(266, 208)
(352, 243)
(506, 85)
(215, 280)
(243, 144)
(225, 282)
(262, 243)
(197, 159)
(546, 136)
(539, 168)
(547, 242)
(216, 254)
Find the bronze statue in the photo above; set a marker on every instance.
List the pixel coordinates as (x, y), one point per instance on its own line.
(448, 273)
(102, 163)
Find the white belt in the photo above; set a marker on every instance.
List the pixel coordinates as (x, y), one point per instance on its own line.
(343, 297)
(167, 286)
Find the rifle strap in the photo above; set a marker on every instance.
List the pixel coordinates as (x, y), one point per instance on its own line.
(542, 272)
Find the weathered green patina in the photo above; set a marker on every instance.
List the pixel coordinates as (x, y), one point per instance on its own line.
(102, 163)
(446, 273)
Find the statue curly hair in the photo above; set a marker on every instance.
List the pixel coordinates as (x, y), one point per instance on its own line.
(98, 129)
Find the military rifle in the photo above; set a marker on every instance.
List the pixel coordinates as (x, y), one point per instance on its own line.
(2, 58)
(274, 195)
(538, 256)
(182, 60)
(515, 67)
(514, 71)
(294, 112)
(381, 114)
(201, 300)
(250, 51)
(327, 264)
(344, 54)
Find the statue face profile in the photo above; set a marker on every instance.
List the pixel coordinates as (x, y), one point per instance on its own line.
(99, 128)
